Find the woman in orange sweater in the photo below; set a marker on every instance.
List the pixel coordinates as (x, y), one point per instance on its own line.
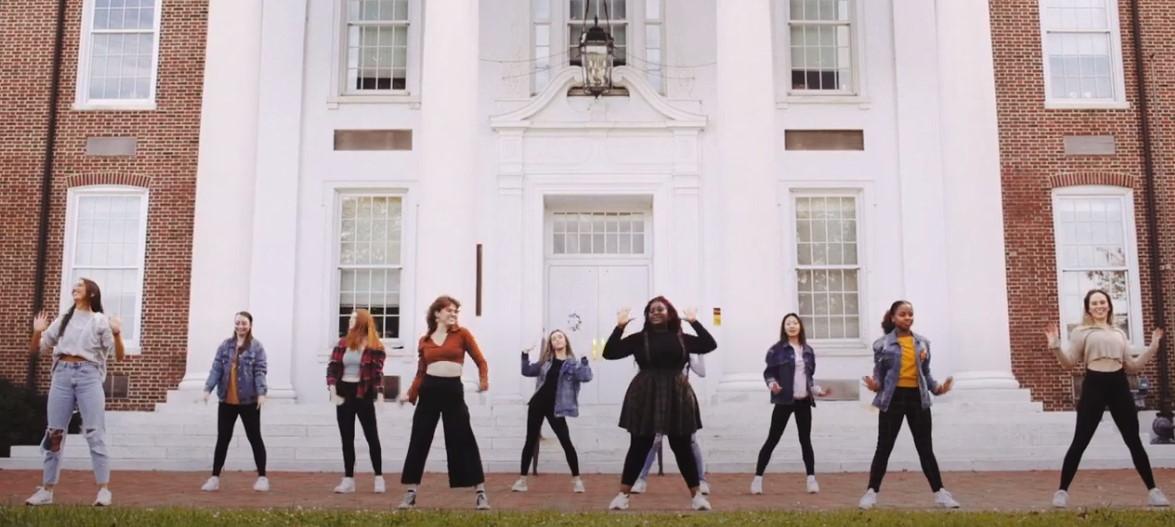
(438, 395)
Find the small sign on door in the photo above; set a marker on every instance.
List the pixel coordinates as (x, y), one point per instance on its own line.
(717, 316)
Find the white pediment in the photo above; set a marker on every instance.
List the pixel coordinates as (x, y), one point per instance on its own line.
(642, 108)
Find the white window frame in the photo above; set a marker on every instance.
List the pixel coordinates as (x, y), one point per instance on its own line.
(559, 22)
(781, 44)
(847, 345)
(610, 208)
(1118, 101)
(341, 93)
(132, 343)
(82, 100)
(395, 346)
(1129, 240)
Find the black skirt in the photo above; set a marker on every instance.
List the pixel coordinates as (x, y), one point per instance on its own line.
(660, 401)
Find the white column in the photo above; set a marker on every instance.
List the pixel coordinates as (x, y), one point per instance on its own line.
(275, 215)
(222, 227)
(448, 154)
(750, 274)
(973, 209)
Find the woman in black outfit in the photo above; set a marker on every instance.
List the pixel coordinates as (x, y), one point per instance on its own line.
(659, 399)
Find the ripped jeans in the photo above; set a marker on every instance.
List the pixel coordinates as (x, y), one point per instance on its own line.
(76, 384)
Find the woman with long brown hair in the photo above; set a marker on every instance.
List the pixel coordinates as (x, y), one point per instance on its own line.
(354, 377)
(438, 395)
(82, 341)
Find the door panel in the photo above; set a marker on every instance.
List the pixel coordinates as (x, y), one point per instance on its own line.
(571, 307)
(619, 286)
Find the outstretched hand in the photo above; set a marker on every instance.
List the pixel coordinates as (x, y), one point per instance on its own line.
(871, 383)
(1052, 334)
(690, 314)
(1157, 334)
(41, 322)
(945, 387)
(622, 316)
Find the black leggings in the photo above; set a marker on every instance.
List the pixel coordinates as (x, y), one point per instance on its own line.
(443, 398)
(803, 410)
(906, 403)
(345, 414)
(226, 419)
(1099, 390)
(638, 450)
(534, 424)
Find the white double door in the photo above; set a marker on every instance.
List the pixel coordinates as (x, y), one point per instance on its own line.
(582, 300)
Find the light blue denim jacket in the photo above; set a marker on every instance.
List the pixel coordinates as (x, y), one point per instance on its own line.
(571, 375)
(251, 370)
(887, 367)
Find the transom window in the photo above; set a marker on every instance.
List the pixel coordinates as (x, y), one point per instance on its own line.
(1081, 48)
(119, 51)
(820, 45)
(827, 266)
(369, 260)
(599, 233)
(1095, 251)
(376, 46)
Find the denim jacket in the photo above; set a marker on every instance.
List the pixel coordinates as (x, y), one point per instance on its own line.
(887, 367)
(251, 369)
(781, 369)
(567, 388)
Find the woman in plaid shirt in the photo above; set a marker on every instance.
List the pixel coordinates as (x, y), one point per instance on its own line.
(354, 377)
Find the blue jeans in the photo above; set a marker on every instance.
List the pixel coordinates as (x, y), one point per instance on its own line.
(693, 444)
(76, 384)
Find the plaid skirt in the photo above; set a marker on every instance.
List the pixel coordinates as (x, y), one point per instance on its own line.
(660, 402)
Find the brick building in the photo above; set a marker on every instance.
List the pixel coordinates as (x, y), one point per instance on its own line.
(122, 180)
(1074, 170)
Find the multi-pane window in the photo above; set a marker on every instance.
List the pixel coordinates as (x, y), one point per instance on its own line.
(377, 46)
(369, 264)
(1094, 252)
(119, 64)
(541, 19)
(820, 42)
(619, 233)
(106, 237)
(611, 14)
(827, 266)
(654, 44)
(1082, 61)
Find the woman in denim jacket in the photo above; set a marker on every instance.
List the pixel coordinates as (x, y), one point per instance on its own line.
(901, 378)
(238, 375)
(556, 397)
(789, 377)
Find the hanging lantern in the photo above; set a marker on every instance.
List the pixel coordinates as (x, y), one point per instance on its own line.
(595, 52)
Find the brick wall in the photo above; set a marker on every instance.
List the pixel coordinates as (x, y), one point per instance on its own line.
(165, 163)
(1033, 163)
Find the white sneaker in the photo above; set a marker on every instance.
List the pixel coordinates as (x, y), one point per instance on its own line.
(380, 486)
(699, 502)
(519, 486)
(868, 500)
(640, 486)
(347, 486)
(481, 502)
(943, 499)
(1061, 499)
(619, 503)
(262, 484)
(577, 485)
(104, 498)
(212, 485)
(703, 487)
(1155, 498)
(42, 496)
(813, 487)
(757, 485)
(409, 500)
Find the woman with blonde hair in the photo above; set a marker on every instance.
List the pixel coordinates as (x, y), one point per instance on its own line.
(354, 377)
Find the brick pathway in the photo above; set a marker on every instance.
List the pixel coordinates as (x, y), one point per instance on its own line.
(1003, 491)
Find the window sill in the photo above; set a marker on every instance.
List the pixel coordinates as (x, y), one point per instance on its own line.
(114, 106)
(1086, 105)
(860, 101)
(412, 101)
(841, 347)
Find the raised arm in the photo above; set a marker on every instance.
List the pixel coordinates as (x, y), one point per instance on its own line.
(1135, 364)
(530, 369)
(1071, 356)
(618, 346)
(701, 344)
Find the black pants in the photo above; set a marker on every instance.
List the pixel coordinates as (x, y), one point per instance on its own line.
(906, 403)
(443, 398)
(1099, 390)
(226, 419)
(534, 424)
(345, 414)
(803, 410)
(638, 450)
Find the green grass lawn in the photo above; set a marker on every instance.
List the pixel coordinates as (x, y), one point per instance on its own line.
(135, 517)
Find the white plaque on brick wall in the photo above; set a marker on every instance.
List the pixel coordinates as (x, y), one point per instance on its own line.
(111, 146)
(1089, 145)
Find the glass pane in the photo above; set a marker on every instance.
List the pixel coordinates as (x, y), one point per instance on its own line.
(652, 9)
(540, 9)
